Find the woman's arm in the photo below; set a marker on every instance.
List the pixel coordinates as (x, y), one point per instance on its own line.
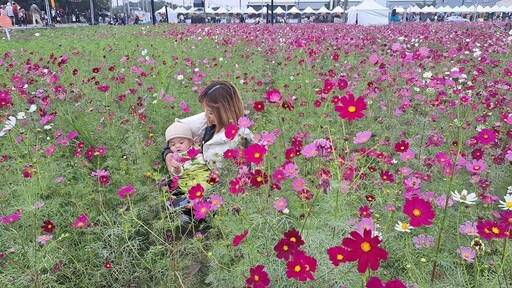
(197, 124)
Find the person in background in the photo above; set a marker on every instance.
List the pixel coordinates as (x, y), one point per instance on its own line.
(9, 12)
(394, 17)
(36, 14)
(23, 17)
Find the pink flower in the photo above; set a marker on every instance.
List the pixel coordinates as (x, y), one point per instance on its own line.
(280, 204)
(291, 170)
(255, 153)
(81, 221)
(476, 166)
(486, 136)
(468, 228)
(467, 253)
(8, 219)
(43, 239)
(273, 96)
(215, 202)
(299, 184)
(362, 137)
(245, 122)
(126, 191)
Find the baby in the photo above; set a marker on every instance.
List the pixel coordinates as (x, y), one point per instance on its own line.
(187, 165)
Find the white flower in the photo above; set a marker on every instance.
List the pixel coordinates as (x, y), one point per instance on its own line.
(464, 197)
(48, 127)
(180, 77)
(21, 115)
(507, 204)
(3, 132)
(509, 190)
(10, 123)
(37, 34)
(403, 227)
(144, 52)
(427, 74)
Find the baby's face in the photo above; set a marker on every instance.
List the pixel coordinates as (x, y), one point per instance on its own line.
(180, 144)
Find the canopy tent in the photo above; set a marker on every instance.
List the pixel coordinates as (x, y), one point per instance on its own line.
(209, 10)
(428, 9)
(180, 10)
(262, 10)
(221, 10)
(337, 9)
(235, 10)
(294, 10)
(279, 10)
(368, 12)
(250, 10)
(323, 10)
(169, 10)
(504, 3)
(399, 9)
(308, 10)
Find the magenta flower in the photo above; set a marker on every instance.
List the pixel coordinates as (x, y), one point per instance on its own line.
(126, 191)
(273, 96)
(255, 153)
(8, 219)
(81, 221)
(420, 211)
(486, 136)
(102, 176)
(476, 166)
(231, 131)
(237, 240)
(200, 209)
(467, 253)
(280, 204)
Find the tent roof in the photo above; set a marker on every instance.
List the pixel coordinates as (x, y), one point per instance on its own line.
(279, 10)
(337, 9)
(323, 10)
(250, 10)
(370, 5)
(294, 10)
(308, 10)
(180, 10)
(221, 10)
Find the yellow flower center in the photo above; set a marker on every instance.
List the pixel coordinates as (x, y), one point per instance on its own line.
(466, 255)
(293, 239)
(476, 167)
(366, 247)
(198, 194)
(510, 220)
(416, 212)
(405, 226)
(495, 230)
(351, 109)
(487, 231)
(285, 248)
(339, 257)
(257, 155)
(297, 268)
(259, 179)
(256, 278)
(80, 224)
(508, 205)
(203, 210)
(463, 197)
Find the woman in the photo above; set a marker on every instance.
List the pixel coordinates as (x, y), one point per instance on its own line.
(222, 105)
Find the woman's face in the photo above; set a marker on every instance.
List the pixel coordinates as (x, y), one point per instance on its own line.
(210, 116)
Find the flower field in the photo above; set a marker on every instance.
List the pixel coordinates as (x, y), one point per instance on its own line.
(382, 157)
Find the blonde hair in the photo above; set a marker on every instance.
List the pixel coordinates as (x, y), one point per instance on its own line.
(225, 102)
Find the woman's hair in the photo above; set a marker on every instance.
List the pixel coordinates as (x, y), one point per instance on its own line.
(225, 102)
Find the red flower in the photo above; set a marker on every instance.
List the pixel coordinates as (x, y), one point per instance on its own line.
(230, 131)
(420, 211)
(254, 153)
(364, 249)
(285, 249)
(196, 192)
(342, 84)
(258, 178)
(259, 106)
(387, 176)
(351, 108)
(258, 277)
(294, 237)
(107, 265)
(95, 70)
(239, 238)
(48, 227)
(103, 88)
(337, 255)
(301, 267)
(401, 146)
(365, 212)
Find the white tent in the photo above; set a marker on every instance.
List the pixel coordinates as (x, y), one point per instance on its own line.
(169, 10)
(180, 10)
(235, 10)
(279, 10)
(209, 10)
(308, 10)
(506, 3)
(221, 10)
(368, 12)
(323, 10)
(250, 10)
(294, 10)
(337, 9)
(262, 10)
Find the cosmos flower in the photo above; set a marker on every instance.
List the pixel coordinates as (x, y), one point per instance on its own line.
(365, 250)
(419, 211)
(351, 108)
(258, 277)
(464, 197)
